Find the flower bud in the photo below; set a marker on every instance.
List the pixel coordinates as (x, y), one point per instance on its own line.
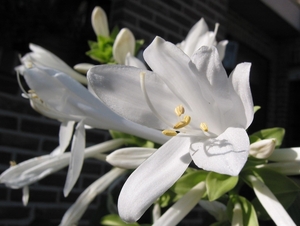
(262, 149)
(124, 44)
(99, 22)
(129, 158)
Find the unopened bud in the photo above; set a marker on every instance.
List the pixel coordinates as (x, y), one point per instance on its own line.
(262, 149)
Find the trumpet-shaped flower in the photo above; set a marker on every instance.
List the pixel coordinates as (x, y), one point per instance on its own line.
(41, 57)
(61, 97)
(211, 114)
(198, 36)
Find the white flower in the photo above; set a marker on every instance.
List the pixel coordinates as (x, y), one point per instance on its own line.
(215, 208)
(40, 57)
(73, 102)
(198, 36)
(201, 94)
(61, 96)
(99, 22)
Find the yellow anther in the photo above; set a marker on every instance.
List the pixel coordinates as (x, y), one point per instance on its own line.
(180, 125)
(179, 110)
(169, 132)
(12, 163)
(187, 119)
(203, 126)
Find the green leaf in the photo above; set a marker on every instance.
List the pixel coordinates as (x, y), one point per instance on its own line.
(187, 181)
(249, 213)
(114, 32)
(281, 186)
(133, 140)
(277, 133)
(219, 184)
(167, 198)
(114, 220)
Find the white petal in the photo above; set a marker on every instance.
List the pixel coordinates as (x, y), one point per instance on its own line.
(43, 57)
(75, 212)
(156, 212)
(32, 170)
(134, 62)
(65, 135)
(25, 196)
(215, 208)
(157, 174)
(77, 157)
(119, 88)
(285, 154)
(129, 158)
(70, 98)
(177, 71)
(124, 43)
(192, 38)
(221, 47)
(83, 67)
(182, 207)
(270, 203)
(225, 154)
(99, 22)
(240, 81)
(229, 107)
(286, 168)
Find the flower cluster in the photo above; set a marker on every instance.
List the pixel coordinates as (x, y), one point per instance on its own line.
(181, 125)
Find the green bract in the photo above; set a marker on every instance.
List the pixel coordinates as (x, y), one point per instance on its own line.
(219, 184)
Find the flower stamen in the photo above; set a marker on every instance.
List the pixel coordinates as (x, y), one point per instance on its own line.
(179, 125)
(179, 110)
(204, 127)
(169, 132)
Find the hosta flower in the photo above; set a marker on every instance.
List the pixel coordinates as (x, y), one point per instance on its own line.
(40, 57)
(211, 114)
(61, 97)
(198, 36)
